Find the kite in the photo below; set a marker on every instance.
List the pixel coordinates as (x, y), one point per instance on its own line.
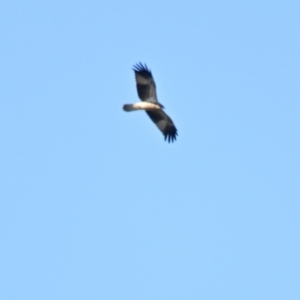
(146, 89)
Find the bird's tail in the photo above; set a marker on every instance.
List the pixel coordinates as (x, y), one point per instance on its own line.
(129, 107)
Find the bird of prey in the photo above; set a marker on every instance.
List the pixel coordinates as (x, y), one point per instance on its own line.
(146, 89)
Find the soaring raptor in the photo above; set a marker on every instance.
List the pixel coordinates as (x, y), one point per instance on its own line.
(146, 89)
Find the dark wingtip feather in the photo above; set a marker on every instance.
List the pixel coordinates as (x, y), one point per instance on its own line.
(139, 68)
(171, 135)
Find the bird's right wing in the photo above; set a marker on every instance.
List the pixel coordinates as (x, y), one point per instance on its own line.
(145, 83)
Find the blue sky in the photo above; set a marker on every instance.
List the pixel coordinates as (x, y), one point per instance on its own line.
(94, 203)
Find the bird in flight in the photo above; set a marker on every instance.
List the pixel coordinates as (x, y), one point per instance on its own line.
(146, 89)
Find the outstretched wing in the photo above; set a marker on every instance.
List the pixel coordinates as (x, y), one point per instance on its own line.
(145, 83)
(164, 123)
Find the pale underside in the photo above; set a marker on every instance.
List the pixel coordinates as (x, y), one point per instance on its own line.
(141, 106)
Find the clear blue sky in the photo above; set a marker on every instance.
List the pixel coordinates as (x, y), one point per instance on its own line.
(94, 203)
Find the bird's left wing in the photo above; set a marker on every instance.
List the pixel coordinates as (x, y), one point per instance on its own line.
(164, 123)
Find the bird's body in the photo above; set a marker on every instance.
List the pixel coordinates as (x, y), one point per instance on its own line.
(146, 89)
(141, 106)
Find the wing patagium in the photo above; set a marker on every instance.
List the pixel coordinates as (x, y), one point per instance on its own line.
(146, 89)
